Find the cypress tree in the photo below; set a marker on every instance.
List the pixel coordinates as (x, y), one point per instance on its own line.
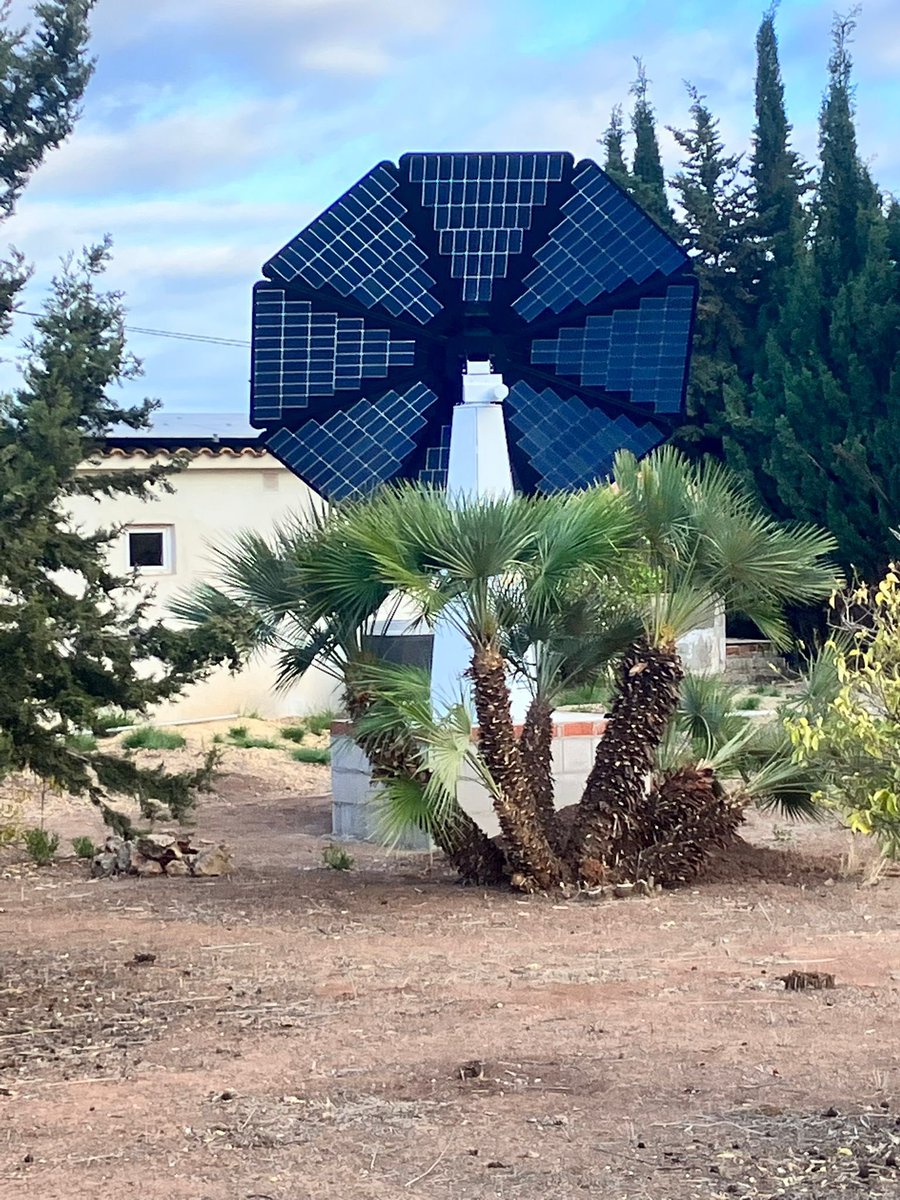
(649, 181)
(825, 403)
(845, 188)
(776, 232)
(613, 142)
(777, 175)
(715, 210)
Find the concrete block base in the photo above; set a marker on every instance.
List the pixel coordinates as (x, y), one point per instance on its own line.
(354, 798)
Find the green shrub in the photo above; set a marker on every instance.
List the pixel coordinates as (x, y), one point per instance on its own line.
(84, 847)
(241, 738)
(597, 692)
(294, 733)
(81, 741)
(748, 703)
(41, 845)
(767, 689)
(109, 722)
(337, 858)
(148, 738)
(312, 754)
(855, 742)
(320, 723)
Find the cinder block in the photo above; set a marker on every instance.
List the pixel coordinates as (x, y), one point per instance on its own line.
(567, 790)
(475, 799)
(578, 755)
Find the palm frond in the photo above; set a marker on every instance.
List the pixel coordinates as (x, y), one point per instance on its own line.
(709, 540)
(706, 712)
(402, 804)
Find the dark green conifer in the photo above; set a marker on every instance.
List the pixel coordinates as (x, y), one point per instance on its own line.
(74, 637)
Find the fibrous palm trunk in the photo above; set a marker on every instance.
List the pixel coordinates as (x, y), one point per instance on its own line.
(532, 861)
(688, 814)
(615, 795)
(536, 748)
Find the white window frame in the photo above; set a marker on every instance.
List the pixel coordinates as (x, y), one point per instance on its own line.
(168, 549)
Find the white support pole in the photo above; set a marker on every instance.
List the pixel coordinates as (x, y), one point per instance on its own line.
(478, 467)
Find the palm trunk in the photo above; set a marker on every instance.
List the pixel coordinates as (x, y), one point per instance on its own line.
(533, 862)
(536, 749)
(615, 795)
(476, 857)
(689, 815)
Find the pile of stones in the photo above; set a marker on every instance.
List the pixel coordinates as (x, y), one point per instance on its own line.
(160, 854)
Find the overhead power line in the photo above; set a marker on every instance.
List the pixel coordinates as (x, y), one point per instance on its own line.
(166, 333)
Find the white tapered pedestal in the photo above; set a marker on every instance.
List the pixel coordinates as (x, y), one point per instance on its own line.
(478, 467)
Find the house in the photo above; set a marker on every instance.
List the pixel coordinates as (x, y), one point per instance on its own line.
(231, 484)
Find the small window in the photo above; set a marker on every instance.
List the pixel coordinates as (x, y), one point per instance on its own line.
(150, 549)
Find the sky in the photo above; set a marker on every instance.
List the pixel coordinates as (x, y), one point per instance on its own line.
(214, 130)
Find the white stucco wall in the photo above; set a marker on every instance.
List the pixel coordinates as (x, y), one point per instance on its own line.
(216, 497)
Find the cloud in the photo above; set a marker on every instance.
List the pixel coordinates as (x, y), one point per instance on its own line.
(341, 58)
(346, 38)
(182, 150)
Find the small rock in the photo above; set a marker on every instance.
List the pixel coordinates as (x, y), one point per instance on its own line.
(104, 865)
(123, 857)
(177, 867)
(157, 845)
(472, 1070)
(217, 861)
(621, 890)
(114, 843)
(144, 866)
(593, 893)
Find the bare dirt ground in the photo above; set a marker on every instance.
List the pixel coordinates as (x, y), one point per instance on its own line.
(383, 1033)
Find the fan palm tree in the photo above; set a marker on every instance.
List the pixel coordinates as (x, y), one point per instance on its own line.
(707, 544)
(472, 562)
(311, 594)
(529, 583)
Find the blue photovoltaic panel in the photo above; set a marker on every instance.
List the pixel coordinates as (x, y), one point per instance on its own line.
(354, 451)
(437, 461)
(569, 444)
(604, 242)
(482, 203)
(362, 248)
(639, 350)
(300, 354)
(365, 318)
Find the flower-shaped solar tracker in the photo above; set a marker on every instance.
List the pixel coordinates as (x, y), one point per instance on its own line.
(365, 319)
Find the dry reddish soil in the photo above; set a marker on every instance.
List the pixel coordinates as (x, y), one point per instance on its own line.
(384, 1033)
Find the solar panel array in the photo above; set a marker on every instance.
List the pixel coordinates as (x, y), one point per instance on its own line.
(437, 461)
(482, 203)
(571, 445)
(604, 242)
(300, 354)
(367, 313)
(362, 248)
(640, 350)
(354, 451)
